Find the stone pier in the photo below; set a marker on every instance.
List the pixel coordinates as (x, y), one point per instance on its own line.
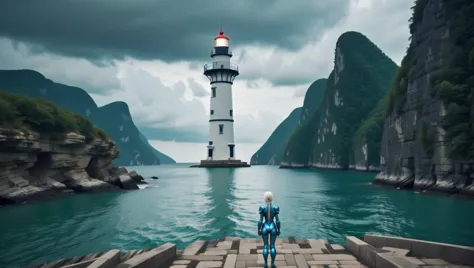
(233, 252)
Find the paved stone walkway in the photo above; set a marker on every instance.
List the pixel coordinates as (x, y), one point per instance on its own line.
(233, 252)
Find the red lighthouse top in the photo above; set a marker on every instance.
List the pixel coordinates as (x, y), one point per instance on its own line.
(221, 40)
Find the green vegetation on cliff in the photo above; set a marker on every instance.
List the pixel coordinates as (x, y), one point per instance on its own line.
(24, 114)
(271, 151)
(362, 75)
(454, 85)
(370, 133)
(114, 118)
(348, 115)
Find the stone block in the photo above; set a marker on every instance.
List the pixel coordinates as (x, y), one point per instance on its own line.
(178, 266)
(392, 260)
(215, 252)
(109, 260)
(231, 238)
(290, 259)
(301, 261)
(154, 258)
(415, 260)
(362, 250)
(230, 261)
(194, 248)
(398, 251)
(247, 257)
(353, 244)
(240, 264)
(326, 262)
(209, 264)
(353, 262)
(451, 253)
(316, 243)
(181, 262)
(337, 247)
(435, 261)
(308, 250)
(332, 257)
(290, 246)
(224, 245)
(82, 264)
(201, 258)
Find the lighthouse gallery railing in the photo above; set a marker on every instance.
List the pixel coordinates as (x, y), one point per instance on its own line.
(221, 65)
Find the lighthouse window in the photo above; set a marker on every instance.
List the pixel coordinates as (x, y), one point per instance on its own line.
(221, 129)
(212, 112)
(231, 112)
(213, 92)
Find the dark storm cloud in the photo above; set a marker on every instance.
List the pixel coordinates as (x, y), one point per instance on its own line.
(162, 29)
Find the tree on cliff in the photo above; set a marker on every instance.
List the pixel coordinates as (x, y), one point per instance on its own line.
(25, 114)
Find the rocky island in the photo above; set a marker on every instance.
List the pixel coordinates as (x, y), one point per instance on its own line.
(46, 151)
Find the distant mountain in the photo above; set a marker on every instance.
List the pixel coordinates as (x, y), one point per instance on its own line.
(114, 118)
(271, 151)
(361, 77)
(312, 99)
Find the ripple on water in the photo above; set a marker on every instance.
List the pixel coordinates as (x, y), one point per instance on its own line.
(188, 204)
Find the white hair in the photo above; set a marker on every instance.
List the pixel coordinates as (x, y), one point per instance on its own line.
(268, 197)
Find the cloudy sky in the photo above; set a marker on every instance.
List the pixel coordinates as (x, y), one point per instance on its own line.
(150, 53)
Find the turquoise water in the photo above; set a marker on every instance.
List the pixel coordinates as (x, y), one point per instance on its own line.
(186, 204)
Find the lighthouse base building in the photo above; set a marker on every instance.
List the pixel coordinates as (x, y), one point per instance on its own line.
(221, 149)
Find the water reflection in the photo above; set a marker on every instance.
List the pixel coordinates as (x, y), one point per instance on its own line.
(49, 230)
(220, 195)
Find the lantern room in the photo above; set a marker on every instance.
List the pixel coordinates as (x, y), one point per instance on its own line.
(221, 40)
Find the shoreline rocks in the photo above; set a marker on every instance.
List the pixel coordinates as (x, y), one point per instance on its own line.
(35, 167)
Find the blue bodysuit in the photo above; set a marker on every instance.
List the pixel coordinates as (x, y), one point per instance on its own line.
(270, 213)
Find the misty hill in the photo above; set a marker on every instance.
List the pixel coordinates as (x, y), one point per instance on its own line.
(114, 118)
(361, 77)
(271, 152)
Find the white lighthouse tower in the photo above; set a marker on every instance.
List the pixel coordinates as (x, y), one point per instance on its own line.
(221, 73)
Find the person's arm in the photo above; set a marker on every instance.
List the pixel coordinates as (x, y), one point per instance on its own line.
(260, 222)
(277, 211)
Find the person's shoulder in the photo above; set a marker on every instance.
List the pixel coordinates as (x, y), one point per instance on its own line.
(277, 209)
(261, 208)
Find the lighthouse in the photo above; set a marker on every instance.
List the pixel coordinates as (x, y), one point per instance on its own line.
(221, 149)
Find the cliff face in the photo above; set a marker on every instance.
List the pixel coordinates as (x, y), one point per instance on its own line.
(35, 167)
(113, 118)
(427, 139)
(297, 149)
(312, 99)
(271, 151)
(361, 76)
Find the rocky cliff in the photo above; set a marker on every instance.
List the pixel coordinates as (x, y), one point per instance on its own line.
(271, 152)
(42, 154)
(360, 79)
(428, 133)
(114, 118)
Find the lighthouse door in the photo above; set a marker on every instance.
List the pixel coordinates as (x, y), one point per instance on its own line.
(231, 151)
(209, 153)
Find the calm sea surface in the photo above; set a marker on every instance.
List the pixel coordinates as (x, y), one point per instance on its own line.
(186, 204)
